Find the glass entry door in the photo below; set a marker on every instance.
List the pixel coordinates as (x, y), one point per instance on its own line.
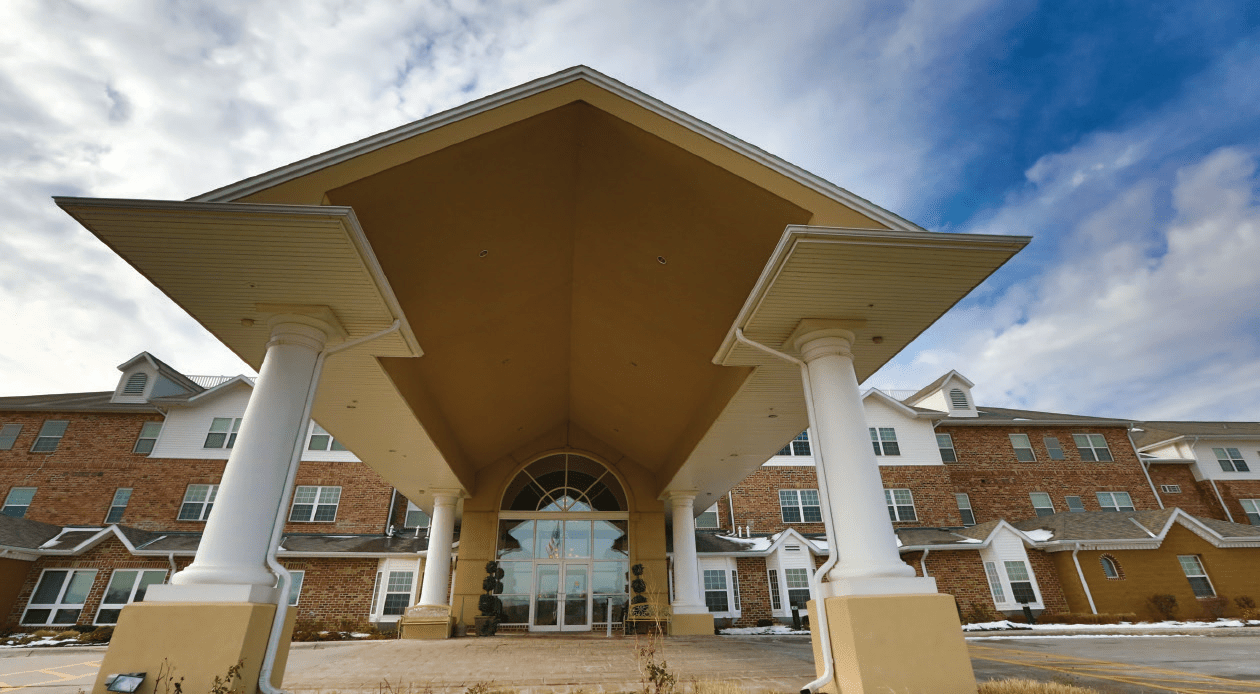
(562, 597)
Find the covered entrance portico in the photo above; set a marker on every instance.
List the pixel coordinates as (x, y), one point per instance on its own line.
(570, 275)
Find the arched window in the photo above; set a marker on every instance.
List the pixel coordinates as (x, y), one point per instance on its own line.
(1111, 569)
(135, 384)
(565, 482)
(958, 399)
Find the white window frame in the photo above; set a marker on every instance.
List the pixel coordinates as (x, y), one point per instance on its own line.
(149, 432)
(995, 583)
(228, 431)
(1054, 449)
(1027, 578)
(320, 440)
(9, 501)
(1023, 453)
(1078, 507)
(794, 499)
(50, 435)
(9, 434)
(1201, 572)
(1230, 460)
(703, 522)
(1110, 501)
(964, 504)
(793, 574)
(945, 442)
(709, 582)
(57, 606)
(137, 582)
(206, 503)
(799, 446)
(295, 588)
(387, 589)
(323, 496)
(412, 510)
(1170, 489)
(884, 441)
(776, 594)
(896, 505)
(1251, 507)
(1032, 498)
(1095, 445)
(118, 503)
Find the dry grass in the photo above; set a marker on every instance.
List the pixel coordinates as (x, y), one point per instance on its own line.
(716, 687)
(1031, 687)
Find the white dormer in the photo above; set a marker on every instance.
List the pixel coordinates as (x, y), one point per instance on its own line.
(144, 377)
(950, 394)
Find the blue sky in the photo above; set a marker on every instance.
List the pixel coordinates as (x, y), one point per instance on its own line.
(1124, 137)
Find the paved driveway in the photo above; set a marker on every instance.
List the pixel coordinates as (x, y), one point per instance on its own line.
(48, 670)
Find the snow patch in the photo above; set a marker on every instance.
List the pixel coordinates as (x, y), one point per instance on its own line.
(1005, 625)
(776, 630)
(1039, 535)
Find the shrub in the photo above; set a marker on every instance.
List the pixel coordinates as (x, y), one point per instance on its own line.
(1214, 608)
(1163, 606)
(99, 635)
(1244, 602)
(66, 635)
(764, 622)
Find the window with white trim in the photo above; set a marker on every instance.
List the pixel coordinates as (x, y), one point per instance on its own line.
(1022, 590)
(1074, 504)
(776, 601)
(1252, 508)
(1231, 460)
(1041, 503)
(125, 587)
(321, 440)
(884, 441)
(1092, 447)
(222, 432)
(1023, 448)
(798, 587)
(715, 595)
(198, 500)
(1170, 488)
(8, 435)
(18, 500)
(58, 597)
(314, 504)
(800, 506)
(117, 505)
(416, 517)
(735, 589)
(148, 437)
(958, 399)
(945, 444)
(49, 436)
(295, 588)
(900, 503)
(397, 593)
(1115, 501)
(1192, 567)
(995, 582)
(709, 519)
(964, 509)
(798, 445)
(1053, 448)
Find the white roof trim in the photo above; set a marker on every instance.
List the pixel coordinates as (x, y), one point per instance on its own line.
(901, 406)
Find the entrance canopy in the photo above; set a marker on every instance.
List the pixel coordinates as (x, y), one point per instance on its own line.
(568, 261)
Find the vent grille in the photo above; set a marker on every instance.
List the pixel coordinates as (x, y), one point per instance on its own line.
(135, 384)
(958, 399)
(1170, 488)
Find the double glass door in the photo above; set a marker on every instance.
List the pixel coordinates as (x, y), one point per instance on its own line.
(562, 596)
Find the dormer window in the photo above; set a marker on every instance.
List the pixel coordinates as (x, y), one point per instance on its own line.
(958, 399)
(135, 384)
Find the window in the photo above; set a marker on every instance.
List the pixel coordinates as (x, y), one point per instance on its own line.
(957, 399)
(1021, 583)
(1252, 508)
(125, 587)
(1115, 501)
(1053, 449)
(708, 519)
(1023, 448)
(148, 436)
(1041, 503)
(135, 384)
(1074, 504)
(1170, 488)
(735, 587)
(715, 597)
(416, 517)
(222, 432)
(9, 434)
(58, 597)
(798, 445)
(800, 506)
(1109, 566)
(118, 505)
(1193, 569)
(798, 587)
(18, 500)
(49, 436)
(397, 592)
(900, 504)
(321, 440)
(884, 441)
(1231, 459)
(964, 509)
(315, 504)
(995, 582)
(945, 443)
(295, 588)
(776, 600)
(198, 499)
(1092, 447)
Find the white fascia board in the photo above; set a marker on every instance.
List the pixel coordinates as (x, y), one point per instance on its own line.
(973, 422)
(251, 185)
(898, 405)
(216, 391)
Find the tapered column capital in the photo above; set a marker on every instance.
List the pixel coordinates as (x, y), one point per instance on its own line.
(681, 498)
(817, 337)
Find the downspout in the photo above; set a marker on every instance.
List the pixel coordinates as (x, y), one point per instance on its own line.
(170, 557)
(389, 515)
(1081, 574)
(1195, 454)
(824, 634)
(1145, 470)
(923, 560)
(730, 506)
(285, 579)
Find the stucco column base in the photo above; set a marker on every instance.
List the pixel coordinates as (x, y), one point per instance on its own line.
(691, 624)
(895, 643)
(426, 622)
(197, 641)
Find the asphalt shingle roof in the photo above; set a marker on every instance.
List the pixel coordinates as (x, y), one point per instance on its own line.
(73, 402)
(1154, 432)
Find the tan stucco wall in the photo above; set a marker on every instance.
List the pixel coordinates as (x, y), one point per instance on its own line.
(13, 574)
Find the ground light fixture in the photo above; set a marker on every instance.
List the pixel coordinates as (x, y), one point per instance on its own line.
(125, 682)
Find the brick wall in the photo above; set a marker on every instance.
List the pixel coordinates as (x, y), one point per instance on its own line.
(959, 573)
(999, 485)
(335, 590)
(754, 591)
(1233, 491)
(1196, 498)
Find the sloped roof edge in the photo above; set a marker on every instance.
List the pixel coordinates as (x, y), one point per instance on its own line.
(164, 369)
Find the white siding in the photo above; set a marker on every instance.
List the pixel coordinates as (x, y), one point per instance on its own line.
(141, 366)
(1006, 546)
(1211, 469)
(934, 401)
(915, 437)
(184, 432)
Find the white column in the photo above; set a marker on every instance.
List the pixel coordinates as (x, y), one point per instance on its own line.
(230, 561)
(687, 598)
(435, 590)
(869, 563)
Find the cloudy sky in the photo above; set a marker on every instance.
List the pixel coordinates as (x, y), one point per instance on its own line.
(1124, 137)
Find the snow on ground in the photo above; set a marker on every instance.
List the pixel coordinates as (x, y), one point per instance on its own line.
(1005, 625)
(776, 630)
(1087, 636)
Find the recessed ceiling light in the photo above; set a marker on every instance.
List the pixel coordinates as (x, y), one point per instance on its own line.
(483, 253)
(660, 259)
